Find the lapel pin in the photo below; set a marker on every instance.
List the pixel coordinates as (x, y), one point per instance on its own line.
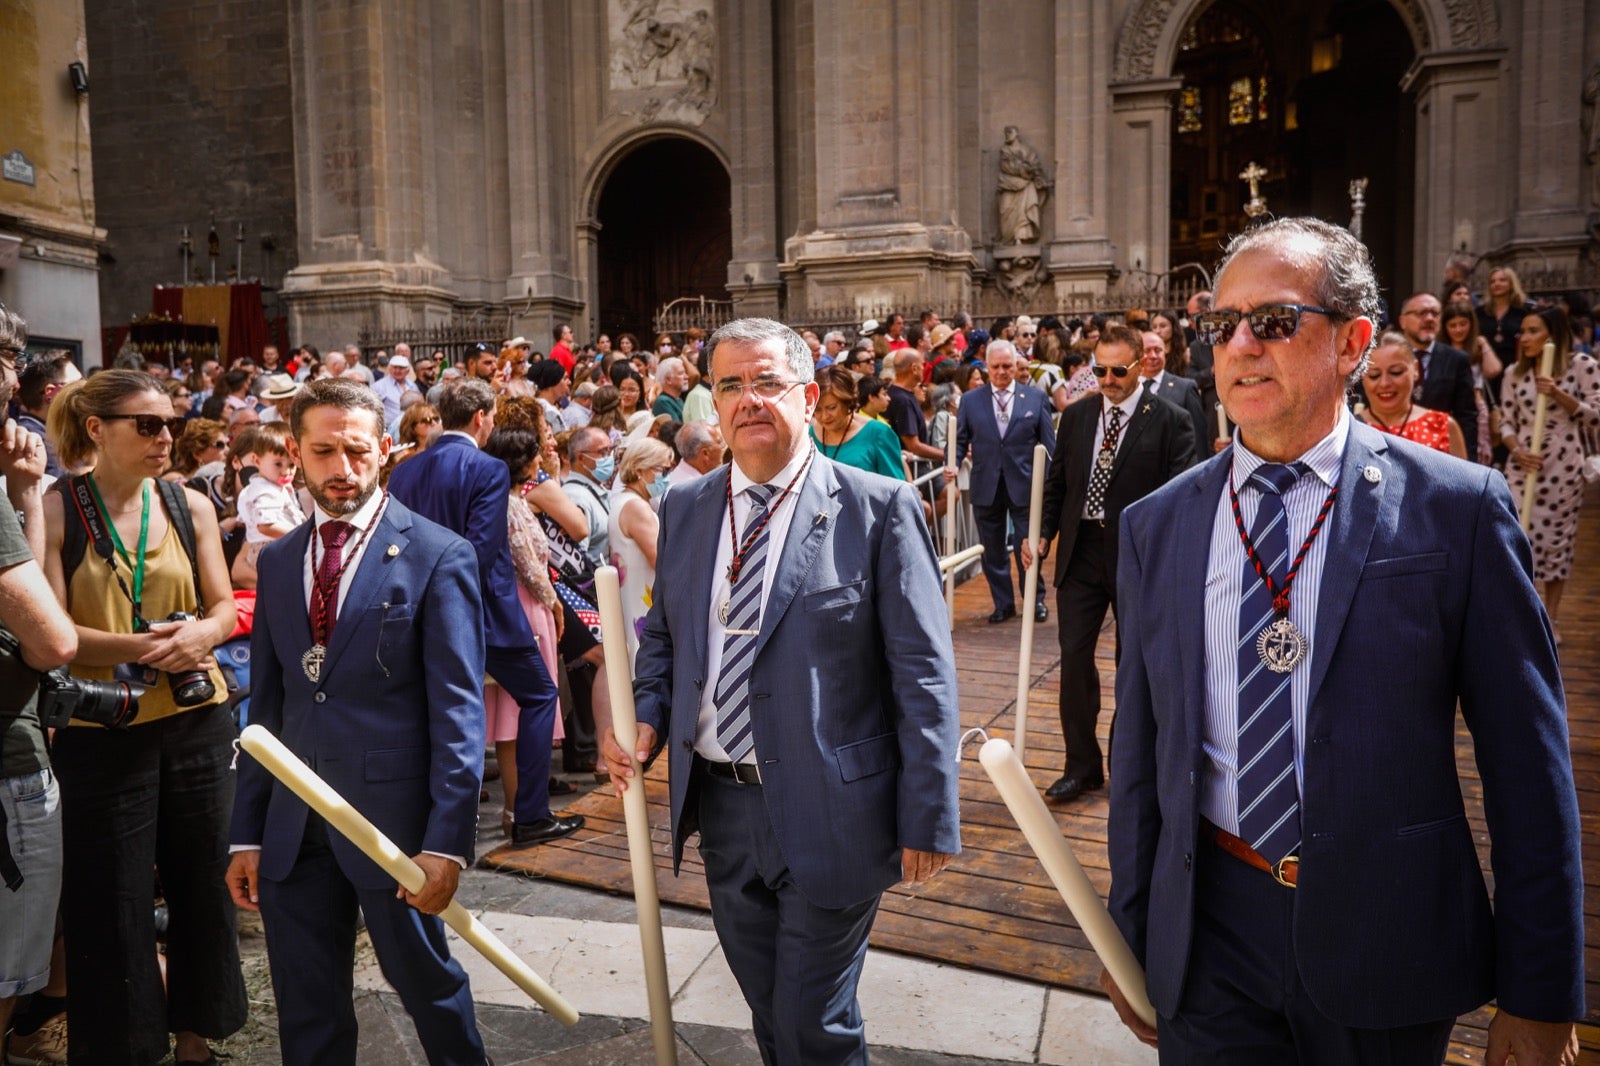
(394, 549)
(1372, 474)
(822, 516)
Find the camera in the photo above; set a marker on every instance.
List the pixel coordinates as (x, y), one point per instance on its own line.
(190, 688)
(112, 704)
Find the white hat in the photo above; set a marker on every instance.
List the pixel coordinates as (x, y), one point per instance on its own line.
(1024, 322)
(518, 342)
(279, 387)
(399, 360)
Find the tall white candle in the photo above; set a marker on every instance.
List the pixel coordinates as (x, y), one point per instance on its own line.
(1530, 484)
(1022, 799)
(647, 903)
(950, 517)
(281, 763)
(1030, 597)
(1222, 423)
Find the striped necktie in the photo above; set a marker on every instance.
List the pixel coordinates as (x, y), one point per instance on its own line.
(1269, 797)
(732, 695)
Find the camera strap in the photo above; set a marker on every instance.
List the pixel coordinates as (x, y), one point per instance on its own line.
(106, 539)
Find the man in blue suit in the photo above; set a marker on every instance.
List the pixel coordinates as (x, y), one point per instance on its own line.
(367, 661)
(797, 666)
(1000, 423)
(456, 485)
(1301, 617)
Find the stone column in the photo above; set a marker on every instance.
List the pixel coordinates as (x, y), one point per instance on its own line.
(1082, 252)
(1460, 187)
(1550, 70)
(748, 79)
(1140, 206)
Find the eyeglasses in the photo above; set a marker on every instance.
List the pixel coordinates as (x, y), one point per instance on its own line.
(768, 389)
(1114, 371)
(223, 443)
(1269, 322)
(1028, 336)
(428, 421)
(150, 425)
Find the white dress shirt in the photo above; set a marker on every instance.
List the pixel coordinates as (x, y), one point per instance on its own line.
(777, 534)
(363, 519)
(1224, 592)
(1127, 407)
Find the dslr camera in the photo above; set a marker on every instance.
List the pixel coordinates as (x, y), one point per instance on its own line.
(62, 696)
(190, 688)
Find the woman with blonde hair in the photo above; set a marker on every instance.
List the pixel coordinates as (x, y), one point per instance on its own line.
(157, 794)
(642, 474)
(1500, 316)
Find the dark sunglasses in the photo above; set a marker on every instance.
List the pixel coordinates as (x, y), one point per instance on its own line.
(220, 443)
(1269, 322)
(1114, 371)
(151, 425)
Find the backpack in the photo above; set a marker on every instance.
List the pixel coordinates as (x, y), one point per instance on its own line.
(78, 501)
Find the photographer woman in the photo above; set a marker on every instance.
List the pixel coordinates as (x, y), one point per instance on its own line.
(157, 794)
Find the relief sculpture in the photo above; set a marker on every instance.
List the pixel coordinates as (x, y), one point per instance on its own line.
(663, 58)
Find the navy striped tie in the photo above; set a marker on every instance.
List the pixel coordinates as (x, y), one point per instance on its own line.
(732, 695)
(1269, 797)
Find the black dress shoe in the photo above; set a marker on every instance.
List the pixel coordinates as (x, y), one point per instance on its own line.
(1040, 612)
(542, 832)
(1001, 616)
(1068, 789)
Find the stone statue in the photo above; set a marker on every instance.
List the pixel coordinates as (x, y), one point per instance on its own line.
(1024, 186)
(659, 45)
(1591, 100)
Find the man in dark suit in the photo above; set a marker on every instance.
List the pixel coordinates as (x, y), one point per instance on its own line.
(1175, 389)
(1302, 615)
(1000, 423)
(457, 486)
(367, 661)
(1445, 372)
(1201, 364)
(816, 780)
(1109, 454)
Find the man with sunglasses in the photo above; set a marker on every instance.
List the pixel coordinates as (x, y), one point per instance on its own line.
(1302, 616)
(1108, 455)
(1445, 373)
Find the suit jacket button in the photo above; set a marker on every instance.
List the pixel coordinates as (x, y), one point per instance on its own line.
(688, 745)
(1188, 861)
(321, 697)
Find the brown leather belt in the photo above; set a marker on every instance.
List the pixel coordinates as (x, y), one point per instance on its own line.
(1286, 871)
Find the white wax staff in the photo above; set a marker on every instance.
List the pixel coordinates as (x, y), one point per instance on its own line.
(1222, 423)
(1530, 482)
(619, 681)
(952, 563)
(1008, 775)
(950, 516)
(282, 763)
(1030, 596)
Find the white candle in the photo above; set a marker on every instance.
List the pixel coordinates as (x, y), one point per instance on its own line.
(1008, 775)
(950, 517)
(1530, 484)
(1030, 597)
(959, 559)
(647, 903)
(282, 763)
(1222, 423)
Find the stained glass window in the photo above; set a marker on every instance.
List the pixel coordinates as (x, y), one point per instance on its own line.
(1261, 98)
(1190, 38)
(1241, 110)
(1189, 110)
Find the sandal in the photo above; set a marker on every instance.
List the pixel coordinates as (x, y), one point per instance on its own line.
(559, 787)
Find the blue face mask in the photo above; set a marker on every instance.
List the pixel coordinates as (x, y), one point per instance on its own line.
(605, 469)
(661, 484)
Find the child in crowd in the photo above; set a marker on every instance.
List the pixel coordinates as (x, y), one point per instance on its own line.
(267, 506)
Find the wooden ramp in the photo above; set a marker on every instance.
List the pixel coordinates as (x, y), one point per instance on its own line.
(994, 908)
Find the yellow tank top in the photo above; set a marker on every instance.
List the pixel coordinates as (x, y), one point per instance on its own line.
(95, 601)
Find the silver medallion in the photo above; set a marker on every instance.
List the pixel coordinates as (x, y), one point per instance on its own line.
(1105, 459)
(311, 662)
(722, 612)
(1281, 646)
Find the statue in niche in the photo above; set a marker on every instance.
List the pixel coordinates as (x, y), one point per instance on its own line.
(1591, 100)
(1023, 189)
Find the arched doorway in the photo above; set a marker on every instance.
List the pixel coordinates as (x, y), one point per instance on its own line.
(1316, 102)
(666, 230)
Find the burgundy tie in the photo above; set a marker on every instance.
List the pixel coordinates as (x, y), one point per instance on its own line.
(325, 583)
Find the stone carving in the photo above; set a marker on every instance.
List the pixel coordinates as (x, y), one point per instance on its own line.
(664, 58)
(1023, 189)
(1591, 144)
(1019, 271)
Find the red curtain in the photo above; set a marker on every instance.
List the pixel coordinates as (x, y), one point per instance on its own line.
(247, 324)
(168, 301)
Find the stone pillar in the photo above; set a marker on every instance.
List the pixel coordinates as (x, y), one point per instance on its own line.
(1459, 183)
(1141, 175)
(1548, 160)
(1084, 249)
(748, 79)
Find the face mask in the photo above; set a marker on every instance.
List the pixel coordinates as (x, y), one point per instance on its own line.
(605, 469)
(660, 485)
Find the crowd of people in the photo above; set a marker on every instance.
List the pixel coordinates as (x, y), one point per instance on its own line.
(161, 515)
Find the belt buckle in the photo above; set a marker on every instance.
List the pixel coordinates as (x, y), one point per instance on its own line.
(1281, 866)
(753, 769)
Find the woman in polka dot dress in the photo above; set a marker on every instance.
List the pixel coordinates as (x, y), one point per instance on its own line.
(1572, 402)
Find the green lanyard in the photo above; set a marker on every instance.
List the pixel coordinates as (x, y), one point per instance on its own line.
(144, 537)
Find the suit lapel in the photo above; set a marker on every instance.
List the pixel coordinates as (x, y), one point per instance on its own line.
(807, 533)
(1191, 555)
(1351, 525)
(704, 525)
(1143, 414)
(384, 545)
(294, 608)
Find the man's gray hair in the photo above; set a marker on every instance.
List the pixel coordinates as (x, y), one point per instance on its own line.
(1346, 284)
(342, 393)
(694, 438)
(460, 400)
(13, 328)
(582, 439)
(833, 335)
(999, 346)
(759, 330)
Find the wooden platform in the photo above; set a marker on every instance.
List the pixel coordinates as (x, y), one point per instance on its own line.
(994, 909)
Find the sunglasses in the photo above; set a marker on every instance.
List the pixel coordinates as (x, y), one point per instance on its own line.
(151, 425)
(221, 443)
(1114, 371)
(1269, 322)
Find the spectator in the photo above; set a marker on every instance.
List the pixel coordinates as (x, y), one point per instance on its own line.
(36, 389)
(267, 505)
(700, 447)
(204, 440)
(633, 527)
(1390, 377)
(847, 436)
(549, 378)
(593, 465)
(673, 381)
(392, 385)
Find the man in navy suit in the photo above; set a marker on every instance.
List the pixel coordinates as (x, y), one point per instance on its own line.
(367, 661)
(1301, 617)
(457, 486)
(1445, 373)
(1000, 423)
(1176, 389)
(800, 673)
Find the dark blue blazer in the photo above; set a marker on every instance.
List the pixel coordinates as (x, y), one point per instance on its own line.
(1004, 458)
(852, 686)
(1427, 600)
(396, 725)
(456, 485)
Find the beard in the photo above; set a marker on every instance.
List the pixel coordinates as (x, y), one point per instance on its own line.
(341, 507)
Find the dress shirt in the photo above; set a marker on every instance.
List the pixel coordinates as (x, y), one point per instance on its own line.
(389, 391)
(706, 743)
(1127, 407)
(1224, 592)
(1155, 382)
(684, 472)
(1003, 412)
(1424, 357)
(575, 415)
